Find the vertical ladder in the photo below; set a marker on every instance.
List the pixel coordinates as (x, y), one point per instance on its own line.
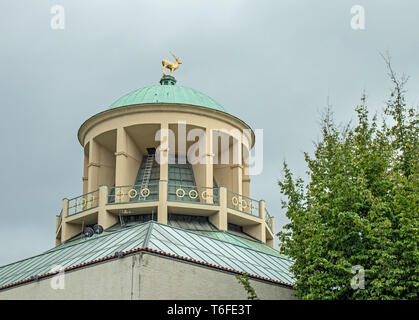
(147, 170)
(121, 221)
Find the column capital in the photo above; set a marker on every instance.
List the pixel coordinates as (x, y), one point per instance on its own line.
(93, 164)
(121, 153)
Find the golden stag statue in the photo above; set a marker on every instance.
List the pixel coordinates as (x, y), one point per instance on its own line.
(170, 65)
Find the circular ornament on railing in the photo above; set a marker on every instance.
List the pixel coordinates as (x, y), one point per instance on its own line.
(132, 193)
(92, 198)
(193, 194)
(181, 191)
(83, 202)
(244, 206)
(235, 201)
(145, 192)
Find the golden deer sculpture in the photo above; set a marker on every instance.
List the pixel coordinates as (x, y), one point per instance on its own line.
(170, 65)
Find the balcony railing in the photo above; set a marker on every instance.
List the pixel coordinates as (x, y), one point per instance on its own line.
(84, 202)
(60, 219)
(175, 192)
(268, 220)
(193, 194)
(135, 193)
(242, 203)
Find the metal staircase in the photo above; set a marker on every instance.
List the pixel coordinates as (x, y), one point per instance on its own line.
(147, 170)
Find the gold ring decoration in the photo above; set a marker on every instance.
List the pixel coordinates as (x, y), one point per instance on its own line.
(245, 204)
(195, 194)
(182, 192)
(83, 202)
(145, 192)
(132, 193)
(235, 201)
(92, 198)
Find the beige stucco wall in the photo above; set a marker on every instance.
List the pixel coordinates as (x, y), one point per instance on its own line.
(107, 167)
(146, 276)
(222, 174)
(170, 279)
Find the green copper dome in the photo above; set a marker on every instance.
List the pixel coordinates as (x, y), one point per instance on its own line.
(167, 92)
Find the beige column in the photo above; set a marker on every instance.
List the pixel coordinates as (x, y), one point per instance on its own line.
(237, 170)
(85, 173)
(262, 215)
(164, 152)
(245, 181)
(236, 164)
(237, 182)
(209, 170)
(68, 230)
(164, 174)
(65, 208)
(219, 219)
(105, 219)
(93, 166)
(121, 158)
(162, 206)
(121, 167)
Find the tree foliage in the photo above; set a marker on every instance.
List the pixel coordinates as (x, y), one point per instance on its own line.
(359, 207)
(244, 280)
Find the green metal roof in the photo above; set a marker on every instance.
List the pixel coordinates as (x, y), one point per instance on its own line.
(167, 94)
(225, 251)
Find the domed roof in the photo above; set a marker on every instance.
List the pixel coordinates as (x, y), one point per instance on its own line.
(167, 92)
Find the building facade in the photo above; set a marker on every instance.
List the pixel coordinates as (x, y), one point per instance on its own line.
(165, 211)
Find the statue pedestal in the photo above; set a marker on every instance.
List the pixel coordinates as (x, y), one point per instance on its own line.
(168, 80)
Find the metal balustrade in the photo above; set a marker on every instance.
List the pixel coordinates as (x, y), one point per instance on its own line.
(60, 219)
(134, 193)
(242, 203)
(84, 202)
(268, 220)
(194, 194)
(175, 192)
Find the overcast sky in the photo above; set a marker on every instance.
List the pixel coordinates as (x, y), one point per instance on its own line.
(273, 64)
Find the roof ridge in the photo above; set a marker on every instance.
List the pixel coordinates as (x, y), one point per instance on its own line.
(148, 235)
